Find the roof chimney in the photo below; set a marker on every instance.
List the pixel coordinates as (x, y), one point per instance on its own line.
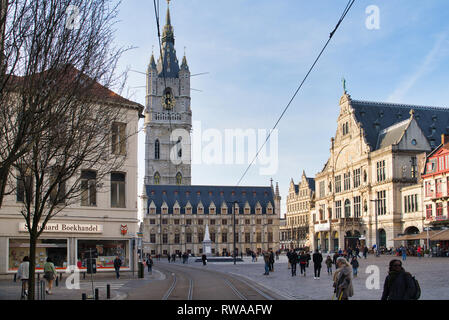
(444, 138)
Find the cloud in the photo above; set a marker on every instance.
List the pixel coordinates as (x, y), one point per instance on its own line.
(426, 66)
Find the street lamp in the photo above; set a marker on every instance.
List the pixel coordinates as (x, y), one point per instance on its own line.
(377, 231)
(235, 208)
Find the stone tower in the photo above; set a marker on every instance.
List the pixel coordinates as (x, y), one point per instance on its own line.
(168, 116)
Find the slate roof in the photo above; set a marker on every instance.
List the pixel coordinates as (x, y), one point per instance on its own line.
(375, 117)
(208, 194)
(392, 135)
(311, 182)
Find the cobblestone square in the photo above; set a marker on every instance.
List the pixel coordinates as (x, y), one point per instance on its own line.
(432, 274)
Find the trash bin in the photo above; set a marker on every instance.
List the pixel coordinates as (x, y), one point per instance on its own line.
(141, 270)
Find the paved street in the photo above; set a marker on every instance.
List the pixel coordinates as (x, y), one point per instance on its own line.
(430, 272)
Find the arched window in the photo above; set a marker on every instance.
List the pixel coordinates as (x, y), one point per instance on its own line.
(179, 147)
(157, 178)
(178, 178)
(157, 150)
(347, 208)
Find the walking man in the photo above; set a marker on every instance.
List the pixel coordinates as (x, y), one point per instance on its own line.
(365, 251)
(404, 253)
(293, 260)
(266, 258)
(204, 259)
(117, 265)
(317, 259)
(334, 259)
(271, 261)
(355, 266)
(168, 258)
(149, 263)
(329, 264)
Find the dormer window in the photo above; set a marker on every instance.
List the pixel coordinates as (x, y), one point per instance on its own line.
(345, 128)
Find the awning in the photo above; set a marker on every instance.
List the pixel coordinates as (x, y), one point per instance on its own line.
(419, 236)
(441, 235)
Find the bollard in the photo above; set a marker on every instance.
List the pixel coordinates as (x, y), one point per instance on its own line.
(15, 277)
(60, 276)
(108, 291)
(38, 277)
(83, 296)
(96, 294)
(84, 275)
(57, 281)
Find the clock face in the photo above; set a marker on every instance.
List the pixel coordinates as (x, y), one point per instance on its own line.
(168, 101)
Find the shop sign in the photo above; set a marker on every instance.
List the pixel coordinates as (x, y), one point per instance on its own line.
(440, 218)
(124, 229)
(322, 227)
(67, 228)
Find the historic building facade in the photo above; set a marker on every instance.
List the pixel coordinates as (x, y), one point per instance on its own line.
(168, 116)
(374, 157)
(105, 218)
(176, 218)
(300, 202)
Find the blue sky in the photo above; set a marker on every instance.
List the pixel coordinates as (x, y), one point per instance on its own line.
(258, 51)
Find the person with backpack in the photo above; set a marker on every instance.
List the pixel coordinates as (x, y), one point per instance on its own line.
(399, 284)
(355, 266)
(317, 259)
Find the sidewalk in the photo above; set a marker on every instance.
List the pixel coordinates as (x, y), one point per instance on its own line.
(10, 290)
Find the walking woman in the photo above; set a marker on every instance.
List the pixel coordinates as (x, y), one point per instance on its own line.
(303, 262)
(49, 274)
(23, 274)
(355, 266)
(343, 280)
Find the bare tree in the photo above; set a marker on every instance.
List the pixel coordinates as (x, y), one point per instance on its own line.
(56, 119)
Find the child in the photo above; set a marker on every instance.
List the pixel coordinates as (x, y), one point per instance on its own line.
(329, 263)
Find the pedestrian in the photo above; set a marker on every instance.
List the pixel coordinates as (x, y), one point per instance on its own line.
(173, 257)
(343, 289)
(117, 265)
(23, 274)
(149, 263)
(355, 266)
(329, 263)
(404, 253)
(293, 260)
(399, 284)
(303, 262)
(49, 274)
(266, 258)
(350, 255)
(308, 258)
(277, 255)
(289, 252)
(271, 261)
(334, 259)
(204, 258)
(365, 251)
(253, 256)
(357, 252)
(419, 252)
(169, 257)
(317, 259)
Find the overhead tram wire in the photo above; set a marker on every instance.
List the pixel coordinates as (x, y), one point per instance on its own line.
(345, 12)
(156, 11)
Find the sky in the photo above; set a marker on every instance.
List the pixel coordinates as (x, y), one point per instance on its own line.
(256, 53)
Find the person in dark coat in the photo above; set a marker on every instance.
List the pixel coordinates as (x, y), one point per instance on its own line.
(204, 258)
(329, 263)
(117, 265)
(169, 258)
(365, 252)
(399, 284)
(334, 259)
(149, 263)
(303, 262)
(293, 260)
(357, 252)
(317, 259)
(271, 261)
(308, 258)
(355, 266)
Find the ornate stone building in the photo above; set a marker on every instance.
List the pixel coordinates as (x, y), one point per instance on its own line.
(374, 157)
(300, 202)
(168, 116)
(176, 218)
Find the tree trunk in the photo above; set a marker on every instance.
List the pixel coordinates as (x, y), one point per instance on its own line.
(32, 277)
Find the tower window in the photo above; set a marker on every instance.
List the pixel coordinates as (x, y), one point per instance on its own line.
(157, 150)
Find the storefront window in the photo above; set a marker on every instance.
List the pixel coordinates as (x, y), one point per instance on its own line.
(107, 251)
(56, 249)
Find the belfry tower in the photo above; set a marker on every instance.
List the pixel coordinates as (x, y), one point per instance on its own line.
(168, 116)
